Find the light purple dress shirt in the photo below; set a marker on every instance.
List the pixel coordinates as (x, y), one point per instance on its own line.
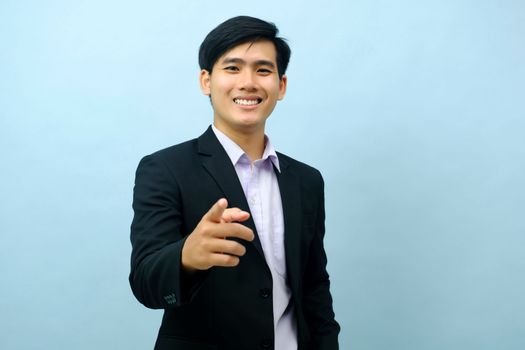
(259, 182)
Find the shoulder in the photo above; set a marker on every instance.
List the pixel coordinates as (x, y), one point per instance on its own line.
(298, 166)
(177, 152)
(170, 159)
(306, 172)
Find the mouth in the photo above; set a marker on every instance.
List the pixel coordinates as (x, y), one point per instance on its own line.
(247, 101)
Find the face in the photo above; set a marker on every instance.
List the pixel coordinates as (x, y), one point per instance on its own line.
(244, 87)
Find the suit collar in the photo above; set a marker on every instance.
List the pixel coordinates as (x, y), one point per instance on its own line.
(207, 143)
(235, 152)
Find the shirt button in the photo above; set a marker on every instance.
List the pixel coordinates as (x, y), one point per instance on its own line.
(265, 293)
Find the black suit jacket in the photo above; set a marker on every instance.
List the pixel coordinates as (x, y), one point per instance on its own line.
(226, 308)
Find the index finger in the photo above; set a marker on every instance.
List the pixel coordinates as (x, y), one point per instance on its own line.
(215, 212)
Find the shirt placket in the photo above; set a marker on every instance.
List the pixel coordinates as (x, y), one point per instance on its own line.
(254, 198)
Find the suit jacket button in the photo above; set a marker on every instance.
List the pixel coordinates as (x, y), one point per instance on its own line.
(266, 343)
(265, 293)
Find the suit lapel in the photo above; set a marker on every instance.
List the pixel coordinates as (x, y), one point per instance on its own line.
(217, 163)
(291, 199)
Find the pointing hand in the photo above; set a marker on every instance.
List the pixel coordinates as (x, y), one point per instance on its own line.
(206, 246)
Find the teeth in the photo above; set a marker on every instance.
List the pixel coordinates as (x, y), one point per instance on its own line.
(245, 102)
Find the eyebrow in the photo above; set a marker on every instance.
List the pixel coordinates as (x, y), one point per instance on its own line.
(241, 61)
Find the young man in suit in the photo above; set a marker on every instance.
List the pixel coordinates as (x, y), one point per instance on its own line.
(228, 234)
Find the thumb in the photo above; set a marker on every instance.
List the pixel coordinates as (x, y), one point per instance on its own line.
(215, 212)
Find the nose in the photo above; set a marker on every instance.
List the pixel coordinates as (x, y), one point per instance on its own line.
(247, 80)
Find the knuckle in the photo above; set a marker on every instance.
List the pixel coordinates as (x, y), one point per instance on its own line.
(204, 245)
(229, 246)
(206, 230)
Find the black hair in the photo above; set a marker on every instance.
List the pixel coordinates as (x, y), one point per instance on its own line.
(239, 30)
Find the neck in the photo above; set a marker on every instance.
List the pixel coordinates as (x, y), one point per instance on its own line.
(251, 142)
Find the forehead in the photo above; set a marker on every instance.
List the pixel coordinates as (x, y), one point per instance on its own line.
(251, 51)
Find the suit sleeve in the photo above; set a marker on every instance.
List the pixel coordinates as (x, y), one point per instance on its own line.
(157, 239)
(317, 302)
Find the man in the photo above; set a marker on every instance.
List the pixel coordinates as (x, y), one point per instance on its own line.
(228, 234)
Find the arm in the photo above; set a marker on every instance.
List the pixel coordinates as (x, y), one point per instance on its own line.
(156, 236)
(167, 264)
(317, 301)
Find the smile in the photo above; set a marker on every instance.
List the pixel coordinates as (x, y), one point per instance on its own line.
(245, 102)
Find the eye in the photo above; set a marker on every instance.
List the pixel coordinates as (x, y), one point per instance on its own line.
(264, 71)
(231, 68)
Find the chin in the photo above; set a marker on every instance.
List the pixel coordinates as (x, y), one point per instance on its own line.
(249, 120)
(250, 125)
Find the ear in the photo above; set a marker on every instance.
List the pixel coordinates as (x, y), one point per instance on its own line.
(282, 87)
(204, 79)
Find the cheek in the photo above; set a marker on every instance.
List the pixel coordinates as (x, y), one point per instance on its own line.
(222, 84)
(216, 100)
(275, 94)
(273, 89)
(216, 91)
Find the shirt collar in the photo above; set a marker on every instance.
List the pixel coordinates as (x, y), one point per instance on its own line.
(235, 152)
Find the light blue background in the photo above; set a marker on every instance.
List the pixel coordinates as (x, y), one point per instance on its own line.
(414, 111)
